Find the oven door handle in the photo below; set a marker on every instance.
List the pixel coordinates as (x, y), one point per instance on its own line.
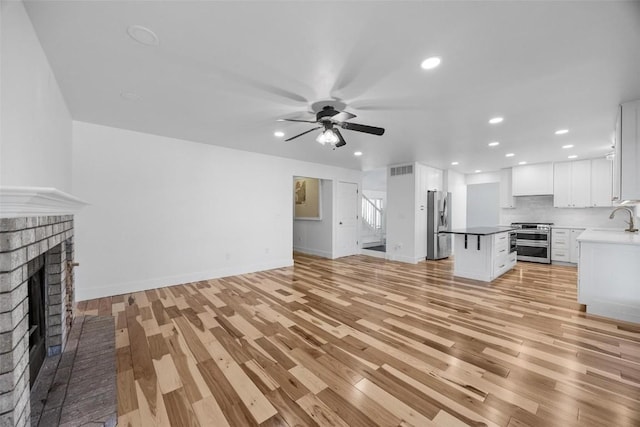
(532, 243)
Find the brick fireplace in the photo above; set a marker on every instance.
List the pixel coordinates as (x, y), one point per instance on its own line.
(34, 251)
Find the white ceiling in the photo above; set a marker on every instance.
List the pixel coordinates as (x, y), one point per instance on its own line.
(223, 72)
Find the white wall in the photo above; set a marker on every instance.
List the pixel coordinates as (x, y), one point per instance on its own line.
(35, 135)
(455, 184)
(376, 194)
(315, 236)
(166, 211)
(483, 204)
(375, 179)
(482, 178)
(401, 218)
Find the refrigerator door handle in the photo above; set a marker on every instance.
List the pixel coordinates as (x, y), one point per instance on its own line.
(443, 214)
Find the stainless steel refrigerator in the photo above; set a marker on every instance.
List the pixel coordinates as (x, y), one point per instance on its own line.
(438, 219)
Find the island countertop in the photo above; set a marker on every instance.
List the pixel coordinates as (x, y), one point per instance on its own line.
(480, 231)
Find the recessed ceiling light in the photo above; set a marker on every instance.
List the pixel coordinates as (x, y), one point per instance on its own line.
(567, 146)
(278, 133)
(573, 156)
(496, 120)
(509, 155)
(562, 131)
(357, 153)
(494, 144)
(143, 35)
(478, 171)
(430, 63)
(454, 163)
(130, 96)
(522, 163)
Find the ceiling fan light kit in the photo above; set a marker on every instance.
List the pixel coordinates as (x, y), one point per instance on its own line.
(327, 137)
(329, 117)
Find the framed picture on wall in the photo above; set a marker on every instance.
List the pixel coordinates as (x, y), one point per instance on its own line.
(306, 194)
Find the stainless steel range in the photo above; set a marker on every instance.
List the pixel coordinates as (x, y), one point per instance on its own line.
(533, 241)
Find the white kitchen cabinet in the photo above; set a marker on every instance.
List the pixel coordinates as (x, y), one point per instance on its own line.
(484, 258)
(608, 269)
(575, 247)
(626, 174)
(561, 244)
(506, 195)
(564, 244)
(601, 175)
(532, 180)
(562, 185)
(572, 184)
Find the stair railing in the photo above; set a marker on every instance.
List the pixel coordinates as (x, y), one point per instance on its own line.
(373, 215)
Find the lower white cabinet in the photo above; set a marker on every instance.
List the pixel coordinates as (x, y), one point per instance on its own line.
(575, 247)
(608, 277)
(485, 257)
(564, 244)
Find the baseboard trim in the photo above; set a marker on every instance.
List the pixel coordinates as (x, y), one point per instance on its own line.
(161, 282)
(316, 252)
(614, 310)
(402, 258)
(375, 254)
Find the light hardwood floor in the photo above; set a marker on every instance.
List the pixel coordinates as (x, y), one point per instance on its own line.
(360, 342)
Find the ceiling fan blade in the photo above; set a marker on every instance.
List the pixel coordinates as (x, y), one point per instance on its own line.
(362, 128)
(342, 116)
(303, 133)
(296, 120)
(341, 140)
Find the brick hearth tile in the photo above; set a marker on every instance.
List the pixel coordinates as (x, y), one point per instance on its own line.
(12, 224)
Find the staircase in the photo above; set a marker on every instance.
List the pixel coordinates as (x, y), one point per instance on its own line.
(373, 223)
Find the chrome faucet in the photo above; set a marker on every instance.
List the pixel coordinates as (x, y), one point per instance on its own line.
(632, 228)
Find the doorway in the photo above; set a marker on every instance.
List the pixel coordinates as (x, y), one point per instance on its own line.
(373, 234)
(313, 216)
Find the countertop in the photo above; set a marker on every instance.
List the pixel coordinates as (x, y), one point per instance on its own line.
(480, 231)
(569, 227)
(602, 235)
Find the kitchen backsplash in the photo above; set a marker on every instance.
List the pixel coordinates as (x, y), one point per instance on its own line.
(540, 209)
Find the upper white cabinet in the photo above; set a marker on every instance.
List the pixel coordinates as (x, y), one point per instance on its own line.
(506, 193)
(532, 180)
(572, 184)
(601, 174)
(626, 177)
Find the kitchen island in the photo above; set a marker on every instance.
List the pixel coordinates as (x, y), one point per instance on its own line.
(608, 272)
(483, 253)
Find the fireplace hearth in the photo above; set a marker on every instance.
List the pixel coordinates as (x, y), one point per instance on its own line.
(36, 304)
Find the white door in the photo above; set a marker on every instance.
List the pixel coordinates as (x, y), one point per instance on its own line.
(347, 219)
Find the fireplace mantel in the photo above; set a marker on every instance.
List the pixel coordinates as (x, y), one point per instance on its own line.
(37, 201)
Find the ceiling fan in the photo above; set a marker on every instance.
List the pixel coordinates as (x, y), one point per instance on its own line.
(330, 119)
